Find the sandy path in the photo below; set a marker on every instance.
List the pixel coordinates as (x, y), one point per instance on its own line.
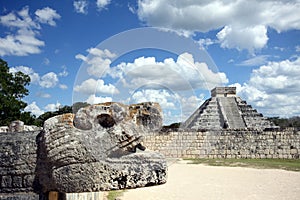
(196, 182)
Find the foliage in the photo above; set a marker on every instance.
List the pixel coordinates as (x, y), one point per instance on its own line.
(42, 118)
(286, 164)
(12, 90)
(171, 127)
(286, 122)
(65, 109)
(76, 106)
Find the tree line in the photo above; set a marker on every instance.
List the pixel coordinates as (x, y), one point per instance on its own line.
(13, 90)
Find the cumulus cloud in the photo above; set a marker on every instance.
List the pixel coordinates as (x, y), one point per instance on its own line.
(98, 61)
(24, 39)
(240, 21)
(176, 107)
(182, 74)
(250, 38)
(165, 99)
(34, 77)
(274, 88)
(93, 99)
(81, 6)
(49, 80)
(101, 4)
(47, 16)
(92, 86)
(34, 109)
(204, 43)
(53, 106)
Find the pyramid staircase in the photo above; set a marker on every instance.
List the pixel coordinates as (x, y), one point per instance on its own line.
(225, 110)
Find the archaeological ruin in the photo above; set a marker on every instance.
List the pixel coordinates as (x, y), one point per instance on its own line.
(112, 146)
(225, 110)
(97, 149)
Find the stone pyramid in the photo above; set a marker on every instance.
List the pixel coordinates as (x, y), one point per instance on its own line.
(225, 110)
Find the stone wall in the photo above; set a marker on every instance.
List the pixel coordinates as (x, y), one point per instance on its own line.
(18, 154)
(226, 144)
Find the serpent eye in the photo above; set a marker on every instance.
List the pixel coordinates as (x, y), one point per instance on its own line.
(106, 120)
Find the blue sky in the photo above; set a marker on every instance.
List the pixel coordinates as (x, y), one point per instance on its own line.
(170, 51)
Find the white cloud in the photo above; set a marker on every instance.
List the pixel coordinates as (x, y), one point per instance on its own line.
(98, 61)
(297, 48)
(182, 74)
(93, 99)
(101, 4)
(81, 6)
(64, 73)
(274, 88)
(92, 86)
(24, 39)
(176, 107)
(250, 38)
(165, 99)
(34, 77)
(47, 16)
(63, 86)
(204, 43)
(43, 95)
(34, 109)
(255, 61)
(49, 80)
(190, 104)
(244, 23)
(52, 107)
(24, 42)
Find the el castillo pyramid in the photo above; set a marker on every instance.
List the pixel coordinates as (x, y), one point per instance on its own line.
(225, 110)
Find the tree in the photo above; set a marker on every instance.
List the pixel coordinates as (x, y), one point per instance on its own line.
(12, 90)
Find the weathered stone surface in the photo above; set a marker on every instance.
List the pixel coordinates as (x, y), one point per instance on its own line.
(96, 150)
(18, 126)
(227, 144)
(17, 161)
(225, 110)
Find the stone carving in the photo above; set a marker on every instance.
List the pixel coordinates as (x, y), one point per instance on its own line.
(96, 149)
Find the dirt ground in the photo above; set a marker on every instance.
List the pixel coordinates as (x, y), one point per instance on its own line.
(196, 182)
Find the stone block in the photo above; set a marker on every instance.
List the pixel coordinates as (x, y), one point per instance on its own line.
(6, 182)
(17, 181)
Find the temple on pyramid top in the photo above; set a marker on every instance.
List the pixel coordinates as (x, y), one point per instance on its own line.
(225, 110)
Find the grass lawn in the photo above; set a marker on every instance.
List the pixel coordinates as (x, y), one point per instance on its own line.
(112, 195)
(286, 164)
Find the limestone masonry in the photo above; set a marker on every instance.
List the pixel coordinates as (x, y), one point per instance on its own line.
(225, 110)
(101, 147)
(97, 149)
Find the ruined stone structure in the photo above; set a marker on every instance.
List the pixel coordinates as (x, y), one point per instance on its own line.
(97, 149)
(225, 110)
(226, 144)
(102, 146)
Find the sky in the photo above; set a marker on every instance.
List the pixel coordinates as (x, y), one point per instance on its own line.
(168, 51)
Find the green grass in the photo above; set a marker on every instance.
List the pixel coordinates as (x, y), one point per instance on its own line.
(112, 195)
(286, 164)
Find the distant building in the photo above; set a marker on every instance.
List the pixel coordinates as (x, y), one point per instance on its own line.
(225, 110)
